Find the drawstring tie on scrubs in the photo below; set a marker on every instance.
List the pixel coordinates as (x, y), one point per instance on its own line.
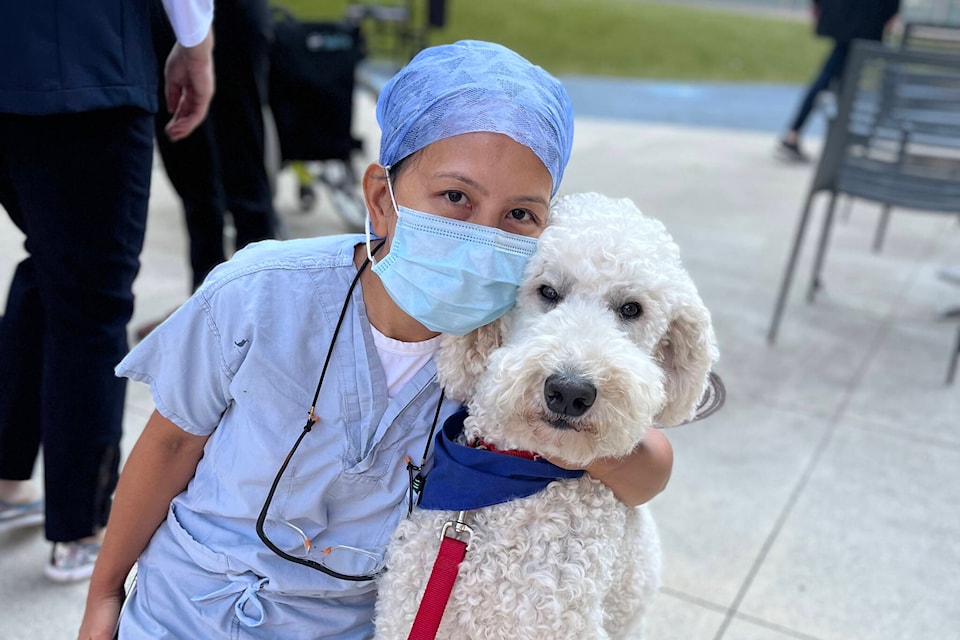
(245, 588)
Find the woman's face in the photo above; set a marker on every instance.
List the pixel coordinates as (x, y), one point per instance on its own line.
(484, 178)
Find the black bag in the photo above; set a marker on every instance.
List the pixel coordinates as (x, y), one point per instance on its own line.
(312, 69)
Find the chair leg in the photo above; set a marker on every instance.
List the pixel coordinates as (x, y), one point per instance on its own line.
(847, 211)
(954, 358)
(881, 228)
(788, 272)
(822, 247)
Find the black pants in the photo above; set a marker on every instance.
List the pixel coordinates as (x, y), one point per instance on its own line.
(220, 167)
(831, 70)
(77, 186)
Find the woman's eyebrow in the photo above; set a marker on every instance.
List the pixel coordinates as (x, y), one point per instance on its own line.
(464, 179)
(531, 200)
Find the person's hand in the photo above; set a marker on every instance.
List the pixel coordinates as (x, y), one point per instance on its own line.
(637, 477)
(892, 25)
(599, 469)
(189, 86)
(101, 617)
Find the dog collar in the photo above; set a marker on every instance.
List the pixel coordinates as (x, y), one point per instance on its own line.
(465, 477)
(486, 446)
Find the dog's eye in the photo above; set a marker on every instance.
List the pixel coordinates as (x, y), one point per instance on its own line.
(631, 310)
(548, 293)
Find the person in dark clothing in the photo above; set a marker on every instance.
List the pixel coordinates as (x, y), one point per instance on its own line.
(78, 85)
(220, 166)
(842, 21)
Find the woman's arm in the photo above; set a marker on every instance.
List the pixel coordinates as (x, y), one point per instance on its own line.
(639, 477)
(160, 465)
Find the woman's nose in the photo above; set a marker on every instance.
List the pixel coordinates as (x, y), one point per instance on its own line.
(485, 216)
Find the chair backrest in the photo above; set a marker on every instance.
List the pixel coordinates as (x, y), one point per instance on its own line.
(896, 136)
(928, 36)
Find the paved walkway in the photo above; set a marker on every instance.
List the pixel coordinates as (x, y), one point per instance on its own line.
(822, 502)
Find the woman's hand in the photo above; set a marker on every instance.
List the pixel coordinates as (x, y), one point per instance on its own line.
(639, 476)
(101, 616)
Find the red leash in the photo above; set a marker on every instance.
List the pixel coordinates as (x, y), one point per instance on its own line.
(440, 584)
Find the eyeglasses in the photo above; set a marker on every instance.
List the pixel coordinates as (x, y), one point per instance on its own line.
(340, 561)
(292, 542)
(344, 562)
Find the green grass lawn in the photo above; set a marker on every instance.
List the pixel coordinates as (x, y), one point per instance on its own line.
(626, 38)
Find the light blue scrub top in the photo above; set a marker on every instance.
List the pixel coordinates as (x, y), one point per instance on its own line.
(240, 361)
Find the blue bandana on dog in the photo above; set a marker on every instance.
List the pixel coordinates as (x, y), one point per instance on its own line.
(465, 477)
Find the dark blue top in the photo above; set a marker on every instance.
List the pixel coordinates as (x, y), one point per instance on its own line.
(66, 56)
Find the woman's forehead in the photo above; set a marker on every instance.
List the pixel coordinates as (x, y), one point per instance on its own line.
(485, 157)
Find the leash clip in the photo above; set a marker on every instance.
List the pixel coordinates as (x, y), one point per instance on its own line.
(459, 528)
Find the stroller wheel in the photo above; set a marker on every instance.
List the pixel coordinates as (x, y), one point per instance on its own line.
(350, 207)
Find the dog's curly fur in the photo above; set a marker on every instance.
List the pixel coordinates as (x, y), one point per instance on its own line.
(605, 302)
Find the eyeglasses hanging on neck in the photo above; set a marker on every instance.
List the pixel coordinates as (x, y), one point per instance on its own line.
(294, 541)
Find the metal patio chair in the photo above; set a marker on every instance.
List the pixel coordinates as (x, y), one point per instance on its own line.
(895, 141)
(920, 36)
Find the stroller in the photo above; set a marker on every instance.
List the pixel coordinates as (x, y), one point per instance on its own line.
(312, 70)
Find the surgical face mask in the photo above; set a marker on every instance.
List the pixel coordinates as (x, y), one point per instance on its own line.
(451, 276)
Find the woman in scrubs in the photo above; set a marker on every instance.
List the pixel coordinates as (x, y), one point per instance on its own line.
(294, 385)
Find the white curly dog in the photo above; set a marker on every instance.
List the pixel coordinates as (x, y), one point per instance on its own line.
(609, 336)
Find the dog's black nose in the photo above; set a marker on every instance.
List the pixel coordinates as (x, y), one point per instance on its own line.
(569, 396)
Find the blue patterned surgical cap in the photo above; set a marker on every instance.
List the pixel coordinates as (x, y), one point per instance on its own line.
(474, 86)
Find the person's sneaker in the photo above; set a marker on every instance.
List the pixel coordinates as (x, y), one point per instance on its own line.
(791, 151)
(16, 516)
(72, 561)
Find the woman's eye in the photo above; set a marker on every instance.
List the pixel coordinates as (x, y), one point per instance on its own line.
(548, 293)
(631, 310)
(520, 214)
(455, 196)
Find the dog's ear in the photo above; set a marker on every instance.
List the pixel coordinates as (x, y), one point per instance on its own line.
(462, 359)
(686, 353)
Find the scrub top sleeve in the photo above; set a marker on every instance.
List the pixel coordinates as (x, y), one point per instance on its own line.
(182, 361)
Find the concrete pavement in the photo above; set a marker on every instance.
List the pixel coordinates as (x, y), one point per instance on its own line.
(821, 502)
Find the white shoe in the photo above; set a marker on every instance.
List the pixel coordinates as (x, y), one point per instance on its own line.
(72, 561)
